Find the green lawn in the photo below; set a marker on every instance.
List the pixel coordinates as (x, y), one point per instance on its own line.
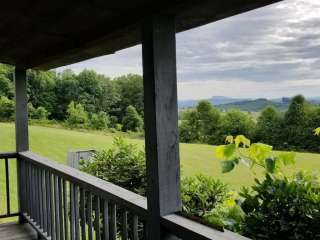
(195, 158)
(54, 143)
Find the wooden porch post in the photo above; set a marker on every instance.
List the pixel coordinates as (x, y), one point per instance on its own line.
(161, 121)
(22, 136)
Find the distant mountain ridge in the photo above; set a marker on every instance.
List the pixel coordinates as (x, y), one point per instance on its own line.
(215, 100)
(246, 104)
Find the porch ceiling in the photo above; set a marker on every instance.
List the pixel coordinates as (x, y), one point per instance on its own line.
(47, 34)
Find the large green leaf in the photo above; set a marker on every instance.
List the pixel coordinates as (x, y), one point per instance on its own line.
(317, 131)
(229, 139)
(225, 151)
(287, 158)
(258, 152)
(270, 165)
(241, 139)
(227, 166)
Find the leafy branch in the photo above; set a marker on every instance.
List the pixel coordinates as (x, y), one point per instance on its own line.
(239, 149)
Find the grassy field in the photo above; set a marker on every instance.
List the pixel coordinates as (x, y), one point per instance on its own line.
(54, 143)
(195, 158)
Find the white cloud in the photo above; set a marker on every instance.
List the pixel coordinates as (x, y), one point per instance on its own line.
(272, 51)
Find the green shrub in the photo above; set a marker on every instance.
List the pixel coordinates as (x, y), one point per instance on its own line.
(39, 113)
(277, 207)
(132, 121)
(283, 208)
(229, 214)
(99, 121)
(209, 200)
(201, 194)
(77, 116)
(123, 164)
(6, 109)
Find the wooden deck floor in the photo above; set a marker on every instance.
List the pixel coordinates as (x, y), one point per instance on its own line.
(14, 231)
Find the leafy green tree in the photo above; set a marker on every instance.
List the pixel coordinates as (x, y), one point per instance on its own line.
(66, 91)
(77, 116)
(190, 126)
(295, 120)
(41, 89)
(132, 121)
(99, 121)
(235, 122)
(130, 90)
(89, 89)
(6, 109)
(109, 98)
(209, 118)
(6, 87)
(268, 128)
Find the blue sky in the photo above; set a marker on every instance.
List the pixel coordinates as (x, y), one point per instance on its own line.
(269, 52)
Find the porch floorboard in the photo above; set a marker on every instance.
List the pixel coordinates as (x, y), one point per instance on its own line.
(15, 231)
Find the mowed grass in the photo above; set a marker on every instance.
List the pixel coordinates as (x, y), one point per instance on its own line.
(55, 143)
(195, 158)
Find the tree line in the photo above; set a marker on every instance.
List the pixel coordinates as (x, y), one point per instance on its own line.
(87, 98)
(288, 130)
(93, 100)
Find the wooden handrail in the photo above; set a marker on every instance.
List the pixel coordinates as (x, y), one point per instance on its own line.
(98, 186)
(175, 224)
(8, 154)
(188, 229)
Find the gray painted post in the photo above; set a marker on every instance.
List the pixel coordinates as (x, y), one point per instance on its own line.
(161, 121)
(22, 136)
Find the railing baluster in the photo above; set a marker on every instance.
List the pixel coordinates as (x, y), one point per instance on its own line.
(124, 231)
(57, 206)
(21, 181)
(33, 213)
(65, 208)
(72, 221)
(76, 210)
(52, 220)
(83, 213)
(97, 219)
(7, 186)
(27, 181)
(90, 216)
(135, 224)
(36, 187)
(41, 222)
(113, 224)
(60, 208)
(44, 202)
(106, 220)
(48, 200)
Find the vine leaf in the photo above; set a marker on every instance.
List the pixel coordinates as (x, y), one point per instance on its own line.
(227, 166)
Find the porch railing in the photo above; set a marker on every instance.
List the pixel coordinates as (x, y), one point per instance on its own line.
(63, 203)
(8, 166)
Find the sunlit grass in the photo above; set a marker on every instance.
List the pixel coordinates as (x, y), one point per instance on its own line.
(55, 143)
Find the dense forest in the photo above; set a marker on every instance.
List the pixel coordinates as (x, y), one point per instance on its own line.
(289, 130)
(96, 101)
(77, 98)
